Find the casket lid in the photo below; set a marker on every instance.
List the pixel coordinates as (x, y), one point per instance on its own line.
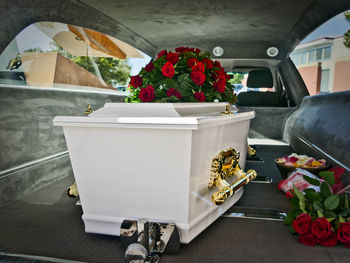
(156, 115)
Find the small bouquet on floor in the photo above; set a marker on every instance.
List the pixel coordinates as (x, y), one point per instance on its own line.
(321, 217)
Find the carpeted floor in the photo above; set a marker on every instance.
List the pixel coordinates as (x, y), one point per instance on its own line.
(48, 223)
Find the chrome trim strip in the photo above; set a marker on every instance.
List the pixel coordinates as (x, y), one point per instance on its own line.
(32, 164)
(48, 259)
(255, 213)
(318, 149)
(82, 89)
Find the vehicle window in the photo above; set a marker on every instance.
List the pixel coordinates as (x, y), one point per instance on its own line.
(57, 55)
(239, 79)
(323, 58)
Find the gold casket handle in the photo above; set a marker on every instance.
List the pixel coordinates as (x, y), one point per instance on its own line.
(226, 164)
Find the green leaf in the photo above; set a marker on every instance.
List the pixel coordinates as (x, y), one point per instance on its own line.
(345, 212)
(346, 201)
(328, 177)
(330, 214)
(319, 214)
(294, 202)
(312, 180)
(341, 219)
(291, 215)
(318, 206)
(325, 190)
(298, 193)
(291, 230)
(302, 206)
(311, 195)
(331, 202)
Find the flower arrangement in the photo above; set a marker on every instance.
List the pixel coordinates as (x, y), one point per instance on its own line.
(301, 161)
(186, 75)
(321, 217)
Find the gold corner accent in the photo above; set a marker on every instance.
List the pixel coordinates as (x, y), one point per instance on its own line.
(227, 111)
(224, 165)
(88, 110)
(72, 190)
(251, 151)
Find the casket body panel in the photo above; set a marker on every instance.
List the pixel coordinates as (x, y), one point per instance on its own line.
(150, 168)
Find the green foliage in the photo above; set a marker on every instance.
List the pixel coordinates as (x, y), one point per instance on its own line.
(328, 177)
(347, 34)
(114, 71)
(325, 190)
(237, 78)
(335, 208)
(312, 180)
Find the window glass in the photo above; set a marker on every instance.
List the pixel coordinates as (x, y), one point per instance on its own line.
(239, 82)
(48, 54)
(324, 81)
(319, 54)
(304, 58)
(328, 56)
(327, 53)
(312, 56)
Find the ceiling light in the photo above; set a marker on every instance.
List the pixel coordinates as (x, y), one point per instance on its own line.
(218, 51)
(272, 51)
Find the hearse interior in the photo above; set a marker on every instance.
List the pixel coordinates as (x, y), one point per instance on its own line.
(40, 223)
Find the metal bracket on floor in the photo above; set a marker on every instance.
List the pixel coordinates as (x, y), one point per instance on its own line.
(263, 180)
(146, 241)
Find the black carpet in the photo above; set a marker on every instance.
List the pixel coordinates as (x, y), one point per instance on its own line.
(48, 223)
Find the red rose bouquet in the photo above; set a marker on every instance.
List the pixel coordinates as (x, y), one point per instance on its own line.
(186, 75)
(321, 217)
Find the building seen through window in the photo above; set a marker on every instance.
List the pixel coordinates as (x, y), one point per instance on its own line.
(56, 55)
(324, 62)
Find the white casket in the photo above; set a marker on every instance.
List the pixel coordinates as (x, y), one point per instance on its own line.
(152, 161)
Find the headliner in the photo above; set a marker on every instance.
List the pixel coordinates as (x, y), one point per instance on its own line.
(244, 28)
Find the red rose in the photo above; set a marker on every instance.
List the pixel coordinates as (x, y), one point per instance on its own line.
(149, 67)
(199, 95)
(198, 78)
(192, 62)
(199, 67)
(136, 81)
(220, 85)
(307, 239)
(173, 58)
(321, 228)
(343, 234)
(147, 94)
(338, 173)
(162, 53)
(330, 241)
(208, 63)
(180, 49)
(197, 50)
(217, 64)
(174, 92)
(168, 70)
(337, 187)
(302, 224)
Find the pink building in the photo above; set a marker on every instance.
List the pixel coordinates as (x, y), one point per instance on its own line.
(324, 64)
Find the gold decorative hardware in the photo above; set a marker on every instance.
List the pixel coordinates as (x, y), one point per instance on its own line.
(224, 165)
(227, 111)
(251, 151)
(72, 190)
(88, 110)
